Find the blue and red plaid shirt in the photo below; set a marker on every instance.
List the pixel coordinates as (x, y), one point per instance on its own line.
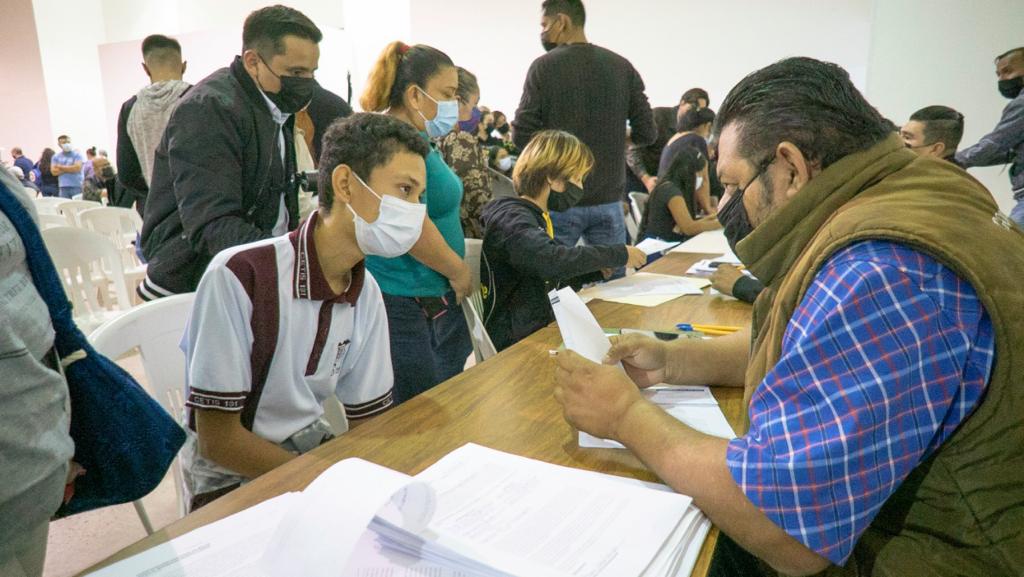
(887, 354)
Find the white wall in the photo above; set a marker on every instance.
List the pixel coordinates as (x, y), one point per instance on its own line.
(675, 45)
(69, 35)
(927, 52)
(91, 57)
(906, 54)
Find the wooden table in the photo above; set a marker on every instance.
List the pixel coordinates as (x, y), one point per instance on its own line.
(504, 403)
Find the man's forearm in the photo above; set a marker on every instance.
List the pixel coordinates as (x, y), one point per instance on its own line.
(694, 464)
(715, 361)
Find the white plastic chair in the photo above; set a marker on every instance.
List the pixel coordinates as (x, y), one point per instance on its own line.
(121, 226)
(72, 208)
(47, 220)
(483, 348)
(501, 185)
(637, 205)
(474, 247)
(155, 329)
(49, 204)
(89, 267)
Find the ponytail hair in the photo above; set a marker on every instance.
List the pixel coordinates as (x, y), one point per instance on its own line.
(399, 66)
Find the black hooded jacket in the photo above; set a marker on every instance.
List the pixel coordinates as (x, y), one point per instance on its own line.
(521, 263)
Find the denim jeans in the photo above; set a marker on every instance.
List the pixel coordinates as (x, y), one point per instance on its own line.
(602, 224)
(70, 191)
(1017, 213)
(425, 352)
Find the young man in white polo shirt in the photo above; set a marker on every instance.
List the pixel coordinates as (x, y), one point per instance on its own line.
(280, 324)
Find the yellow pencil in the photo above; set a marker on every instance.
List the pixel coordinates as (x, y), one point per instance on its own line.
(724, 328)
(714, 332)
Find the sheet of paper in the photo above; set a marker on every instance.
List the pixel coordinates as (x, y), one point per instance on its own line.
(231, 547)
(322, 528)
(711, 242)
(532, 518)
(579, 328)
(654, 246)
(706, 419)
(679, 395)
(643, 300)
(645, 284)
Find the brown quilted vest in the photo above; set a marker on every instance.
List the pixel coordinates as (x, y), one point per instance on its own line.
(961, 511)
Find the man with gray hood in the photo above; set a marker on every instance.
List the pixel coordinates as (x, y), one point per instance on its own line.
(144, 116)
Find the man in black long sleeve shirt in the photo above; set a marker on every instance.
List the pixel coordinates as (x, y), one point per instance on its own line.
(590, 92)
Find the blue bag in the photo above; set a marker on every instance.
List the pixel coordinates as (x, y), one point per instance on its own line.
(123, 438)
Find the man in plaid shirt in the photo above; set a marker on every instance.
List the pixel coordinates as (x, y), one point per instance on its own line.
(886, 354)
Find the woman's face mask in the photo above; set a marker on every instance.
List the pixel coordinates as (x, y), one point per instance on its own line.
(445, 119)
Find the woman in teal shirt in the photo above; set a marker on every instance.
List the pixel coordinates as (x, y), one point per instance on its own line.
(422, 289)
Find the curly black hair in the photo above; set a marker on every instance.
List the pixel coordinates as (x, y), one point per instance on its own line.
(363, 142)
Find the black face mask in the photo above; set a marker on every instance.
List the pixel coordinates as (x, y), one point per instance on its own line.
(547, 44)
(733, 216)
(735, 223)
(295, 92)
(503, 129)
(1011, 87)
(562, 201)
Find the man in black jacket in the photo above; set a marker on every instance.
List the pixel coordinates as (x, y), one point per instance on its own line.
(223, 174)
(590, 92)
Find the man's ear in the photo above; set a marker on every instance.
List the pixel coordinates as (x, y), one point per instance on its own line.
(797, 167)
(251, 60)
(341, 179)
(939, 148)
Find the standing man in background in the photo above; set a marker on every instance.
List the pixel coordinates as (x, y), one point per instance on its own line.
(592, 93)
(224, 172)
(1005, 144)
(67, 167)
(143, 117)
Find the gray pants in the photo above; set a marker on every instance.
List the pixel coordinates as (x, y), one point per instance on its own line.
(24, 557)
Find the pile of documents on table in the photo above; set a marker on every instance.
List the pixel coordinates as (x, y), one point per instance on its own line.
(476, 512)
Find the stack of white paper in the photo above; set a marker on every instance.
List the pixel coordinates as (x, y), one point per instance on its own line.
(707, 267)
(654, 246)
(644, 289)
(476, 512)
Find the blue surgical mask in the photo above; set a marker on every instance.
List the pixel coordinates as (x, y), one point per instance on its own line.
(445, 119)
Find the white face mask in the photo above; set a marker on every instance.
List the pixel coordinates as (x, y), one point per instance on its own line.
(398, 226)
(700, 181)
(505, 163)
(66, 147)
